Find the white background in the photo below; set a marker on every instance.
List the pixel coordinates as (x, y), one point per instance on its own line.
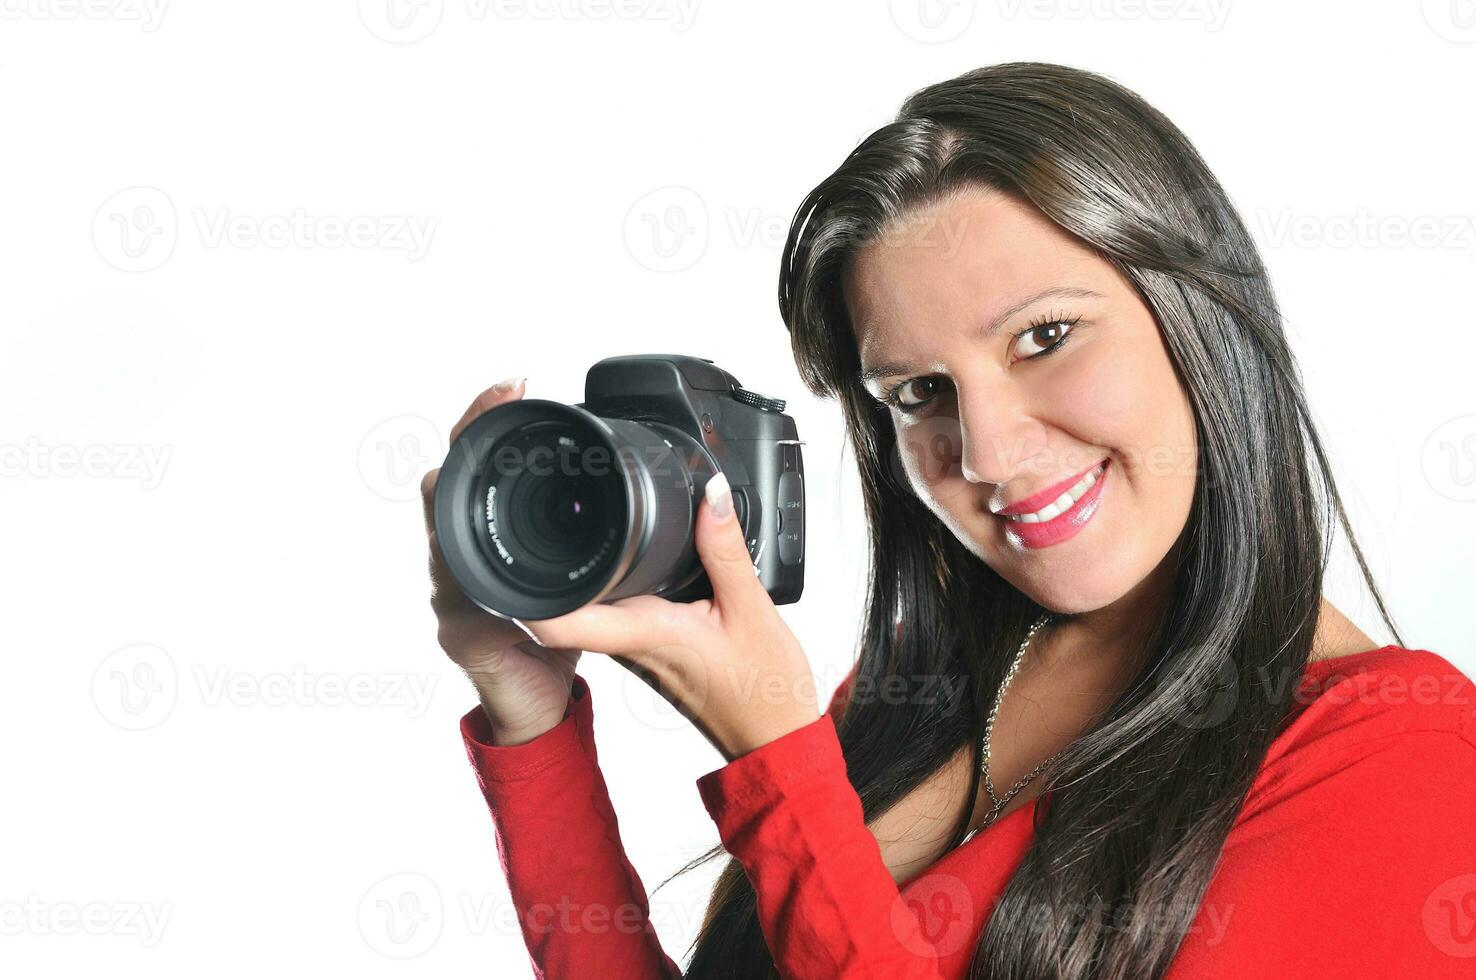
(188, 788)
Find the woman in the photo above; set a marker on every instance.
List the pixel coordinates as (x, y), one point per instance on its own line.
(1099, 518)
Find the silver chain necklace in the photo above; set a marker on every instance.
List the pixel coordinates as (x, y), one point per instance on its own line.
(984, 757)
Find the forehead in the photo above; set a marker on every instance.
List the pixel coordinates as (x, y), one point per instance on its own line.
(953, 262)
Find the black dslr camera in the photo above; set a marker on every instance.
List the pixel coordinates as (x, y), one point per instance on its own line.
(543, 507)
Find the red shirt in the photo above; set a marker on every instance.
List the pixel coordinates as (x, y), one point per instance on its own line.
(1354, 855)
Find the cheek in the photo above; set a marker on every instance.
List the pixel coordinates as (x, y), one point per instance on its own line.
(930, 449)
(1126, 398)
(1103, 396)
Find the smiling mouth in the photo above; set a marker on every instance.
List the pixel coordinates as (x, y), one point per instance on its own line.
(1063, 502)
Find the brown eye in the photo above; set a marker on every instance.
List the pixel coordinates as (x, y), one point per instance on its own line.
(922, 389)
(1047, 335)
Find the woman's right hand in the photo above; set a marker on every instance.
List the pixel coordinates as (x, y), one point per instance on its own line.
(524, 687)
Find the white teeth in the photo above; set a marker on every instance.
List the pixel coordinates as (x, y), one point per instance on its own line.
(1062, 503)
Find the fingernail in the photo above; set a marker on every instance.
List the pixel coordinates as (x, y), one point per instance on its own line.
(719, 496)
(510, 384)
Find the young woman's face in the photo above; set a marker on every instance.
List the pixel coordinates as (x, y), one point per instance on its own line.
(1017, 359)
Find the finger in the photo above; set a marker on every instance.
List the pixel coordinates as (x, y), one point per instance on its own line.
(428, 498)
(736, 589)
(504, 391)
(630, 630)
(446, 597)
(680, 613)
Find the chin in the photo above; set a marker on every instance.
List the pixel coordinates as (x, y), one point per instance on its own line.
(1067, 593)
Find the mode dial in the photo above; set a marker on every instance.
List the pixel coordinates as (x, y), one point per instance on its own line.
(761, 402)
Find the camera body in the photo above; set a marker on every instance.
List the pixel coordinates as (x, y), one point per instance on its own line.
(542, 507)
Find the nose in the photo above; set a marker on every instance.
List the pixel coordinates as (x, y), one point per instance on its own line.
(996, 433)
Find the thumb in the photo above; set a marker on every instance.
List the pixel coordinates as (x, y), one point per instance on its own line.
(724, 551)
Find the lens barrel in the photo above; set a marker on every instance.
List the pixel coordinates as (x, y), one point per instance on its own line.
(543, 507)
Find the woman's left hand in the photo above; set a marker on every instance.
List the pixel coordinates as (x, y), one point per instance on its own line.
(729, 663)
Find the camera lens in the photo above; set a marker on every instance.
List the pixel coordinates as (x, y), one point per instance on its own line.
(553, 514)
(542, 507)
(562, 525)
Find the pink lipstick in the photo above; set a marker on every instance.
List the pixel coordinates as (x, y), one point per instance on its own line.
(1058, 512)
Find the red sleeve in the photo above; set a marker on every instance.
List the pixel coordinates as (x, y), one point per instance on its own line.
(826, 902)
(581, 906)
(1363, 864)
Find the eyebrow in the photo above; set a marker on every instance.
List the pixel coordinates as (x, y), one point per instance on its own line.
(992, 327)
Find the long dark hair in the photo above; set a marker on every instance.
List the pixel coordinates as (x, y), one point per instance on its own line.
(1140, 805)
